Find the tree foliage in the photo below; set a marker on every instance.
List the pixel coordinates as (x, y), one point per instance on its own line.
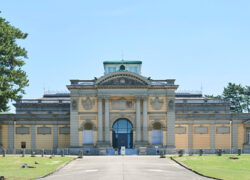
(238, 96)
(13, 79)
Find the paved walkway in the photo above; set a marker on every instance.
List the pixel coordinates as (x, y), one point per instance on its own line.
(124, 168)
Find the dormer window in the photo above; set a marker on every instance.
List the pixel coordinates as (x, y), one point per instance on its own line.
(122, 67)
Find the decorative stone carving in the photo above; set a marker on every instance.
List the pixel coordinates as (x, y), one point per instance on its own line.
(22, 130)
(64, 130)
(87, 103)
(44, 130)
(122, 104)
(171, 105)
(156, 103)
(180, 130)
(201, 130)
(123, 81)
(87, 124)
(222, 130)
(74, 104)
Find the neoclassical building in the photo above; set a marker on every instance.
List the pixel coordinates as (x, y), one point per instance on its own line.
(124, 108)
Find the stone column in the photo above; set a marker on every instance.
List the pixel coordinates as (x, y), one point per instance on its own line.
(74, 135)
(171, 124)
(145, 120)
(100, 126)
(234, 137)
(212, 137)
(107, 135)
(190, 137)
(55, 137)
(138, 119)
(33, 137)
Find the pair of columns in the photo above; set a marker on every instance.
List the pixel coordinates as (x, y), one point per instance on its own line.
(100, 124)
(107, 121)
(144, 122)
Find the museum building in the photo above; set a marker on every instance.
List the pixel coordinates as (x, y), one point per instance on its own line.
(124, 108)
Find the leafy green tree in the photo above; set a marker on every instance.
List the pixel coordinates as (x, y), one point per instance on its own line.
(235, 94)
(246, 100)
(238, 95)
(13, 79)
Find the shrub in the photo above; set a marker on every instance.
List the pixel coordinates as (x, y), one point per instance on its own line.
(162, 154)
(239, 152)
(201, 152)
(219, 152)
(62, 152)
(80, 154)
(180, 152)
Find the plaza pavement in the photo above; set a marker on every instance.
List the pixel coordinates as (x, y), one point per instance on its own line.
(123, 168)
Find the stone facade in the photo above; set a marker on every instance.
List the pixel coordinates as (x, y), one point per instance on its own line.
(159, 117)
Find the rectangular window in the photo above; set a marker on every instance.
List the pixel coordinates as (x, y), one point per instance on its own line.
(23, 145)
(111, 69)
(133, 69)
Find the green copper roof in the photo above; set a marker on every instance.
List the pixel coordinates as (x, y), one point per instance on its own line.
(122, 62)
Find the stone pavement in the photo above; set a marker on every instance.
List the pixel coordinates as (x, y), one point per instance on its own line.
(124, 168)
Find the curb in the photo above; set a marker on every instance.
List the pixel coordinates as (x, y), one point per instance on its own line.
(57, 169)
(190, 169)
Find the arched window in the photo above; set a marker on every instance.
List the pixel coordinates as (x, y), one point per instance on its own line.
(122, 67)
(157, 133)
(88, 134)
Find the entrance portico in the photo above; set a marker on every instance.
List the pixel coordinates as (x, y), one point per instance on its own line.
(123, 95)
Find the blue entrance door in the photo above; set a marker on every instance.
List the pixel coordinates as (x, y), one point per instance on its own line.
(122, 134)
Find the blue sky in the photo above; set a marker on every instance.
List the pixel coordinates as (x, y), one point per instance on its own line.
(195, 42)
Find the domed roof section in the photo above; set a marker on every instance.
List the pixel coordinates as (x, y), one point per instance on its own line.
(122, 78)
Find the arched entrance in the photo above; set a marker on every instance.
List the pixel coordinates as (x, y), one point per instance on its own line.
(122, 134)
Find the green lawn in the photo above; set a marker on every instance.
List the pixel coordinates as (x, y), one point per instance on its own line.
(10, 166)
(219, 166)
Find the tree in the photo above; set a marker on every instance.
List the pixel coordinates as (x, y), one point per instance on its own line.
(235, 94)
(13, 79)
(238, 95)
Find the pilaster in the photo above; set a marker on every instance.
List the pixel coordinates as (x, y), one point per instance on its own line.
(107, 134)
(100, 126)
(11, 144)
(74, 135)
(190, 137)
(212, 136)
(55, 137)
(171, 124)
(33, 137)
(138, 119)
(145, 120)
(234, 137)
